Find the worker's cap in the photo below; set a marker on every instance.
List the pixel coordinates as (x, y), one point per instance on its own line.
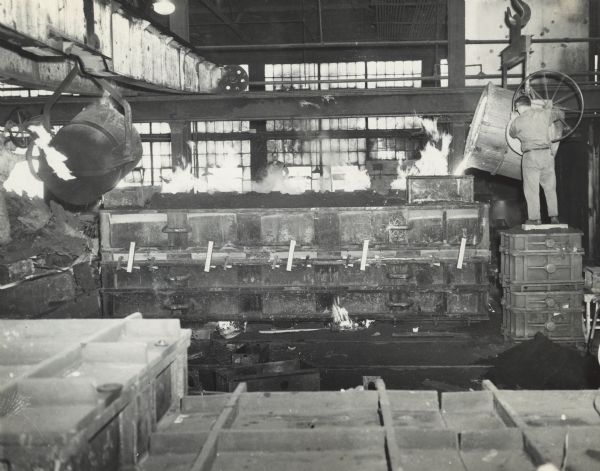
(523, 100)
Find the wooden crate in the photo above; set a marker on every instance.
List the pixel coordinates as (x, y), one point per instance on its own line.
(87, 393)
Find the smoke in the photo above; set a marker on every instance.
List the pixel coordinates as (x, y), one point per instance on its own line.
(434, 156)
(350, 178)
(55, 159)
(276, 178)
(182, 181)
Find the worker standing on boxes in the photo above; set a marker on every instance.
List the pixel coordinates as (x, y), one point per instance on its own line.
(534, 127)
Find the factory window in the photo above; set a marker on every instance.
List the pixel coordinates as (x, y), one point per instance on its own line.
(331, 75)
(9, 90)
(218, 127)
(388, 70)
(444, 72)
(394, 122)
(316, 159)
(393, 147)
(343, 123)
(283, 76)
(156, 165)
(343, 70)
(221, 156)
(302, 158)
(301, 125)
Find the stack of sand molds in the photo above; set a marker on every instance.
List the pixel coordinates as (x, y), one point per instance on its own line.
(542, 282)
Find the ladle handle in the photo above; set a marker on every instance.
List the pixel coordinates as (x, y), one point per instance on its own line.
(46, 122)
(126, 111)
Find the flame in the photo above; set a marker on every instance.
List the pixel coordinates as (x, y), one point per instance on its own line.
(21, 180)
(55, 159)
(433, 161)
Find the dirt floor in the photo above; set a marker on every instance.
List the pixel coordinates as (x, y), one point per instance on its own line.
(445, 361)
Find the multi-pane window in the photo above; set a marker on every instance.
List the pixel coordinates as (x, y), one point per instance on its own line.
(301, 157)
(331, 75)
(316, 159)
(388, 70)
(340, 71)
(221, 156)
(394, 147)
(9, 90)
(284, 76)
(156, 165)
(444, 72)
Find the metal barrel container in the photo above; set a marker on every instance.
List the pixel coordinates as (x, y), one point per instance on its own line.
(486, 147)
(94, 143)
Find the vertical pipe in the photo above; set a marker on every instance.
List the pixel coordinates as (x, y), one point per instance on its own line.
(456, 43)
(320, 22)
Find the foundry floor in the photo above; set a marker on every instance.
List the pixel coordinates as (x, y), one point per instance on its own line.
(440, 358)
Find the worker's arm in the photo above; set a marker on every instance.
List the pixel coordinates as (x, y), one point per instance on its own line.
(513, 129)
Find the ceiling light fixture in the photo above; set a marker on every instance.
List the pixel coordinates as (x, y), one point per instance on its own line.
(163, 7)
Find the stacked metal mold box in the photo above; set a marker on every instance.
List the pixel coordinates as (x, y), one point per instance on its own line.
(200, 261)
(87, 394)
(492, 430)
(542, 278)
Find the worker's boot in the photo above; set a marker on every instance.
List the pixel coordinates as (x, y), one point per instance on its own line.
(533, 222)
(554, 220)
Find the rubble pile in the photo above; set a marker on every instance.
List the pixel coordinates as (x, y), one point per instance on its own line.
(540, 363)
(47, 256)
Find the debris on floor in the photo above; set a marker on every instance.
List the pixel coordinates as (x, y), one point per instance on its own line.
(230, 329)
(540, 363)
(48, 267)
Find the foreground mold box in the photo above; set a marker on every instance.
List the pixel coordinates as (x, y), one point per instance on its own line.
(87, 394)
(382, 429)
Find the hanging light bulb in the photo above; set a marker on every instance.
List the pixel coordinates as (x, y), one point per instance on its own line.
(163, 7)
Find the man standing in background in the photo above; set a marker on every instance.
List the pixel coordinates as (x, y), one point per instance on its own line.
(534, 127)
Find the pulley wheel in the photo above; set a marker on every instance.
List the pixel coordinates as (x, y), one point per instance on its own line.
(555, 90)
(234, 79)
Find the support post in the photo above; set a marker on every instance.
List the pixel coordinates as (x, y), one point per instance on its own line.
(456, 43)
(258, 144)
(180, 150)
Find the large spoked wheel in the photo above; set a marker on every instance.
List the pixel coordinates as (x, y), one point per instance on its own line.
(555, 90)
(16, 128)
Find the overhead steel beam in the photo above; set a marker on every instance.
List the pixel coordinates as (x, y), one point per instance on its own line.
(459, 103)
(323, 45)
(278, 6)
(45, 75)
(109, 40)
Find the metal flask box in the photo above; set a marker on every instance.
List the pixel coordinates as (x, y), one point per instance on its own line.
(94, 143)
